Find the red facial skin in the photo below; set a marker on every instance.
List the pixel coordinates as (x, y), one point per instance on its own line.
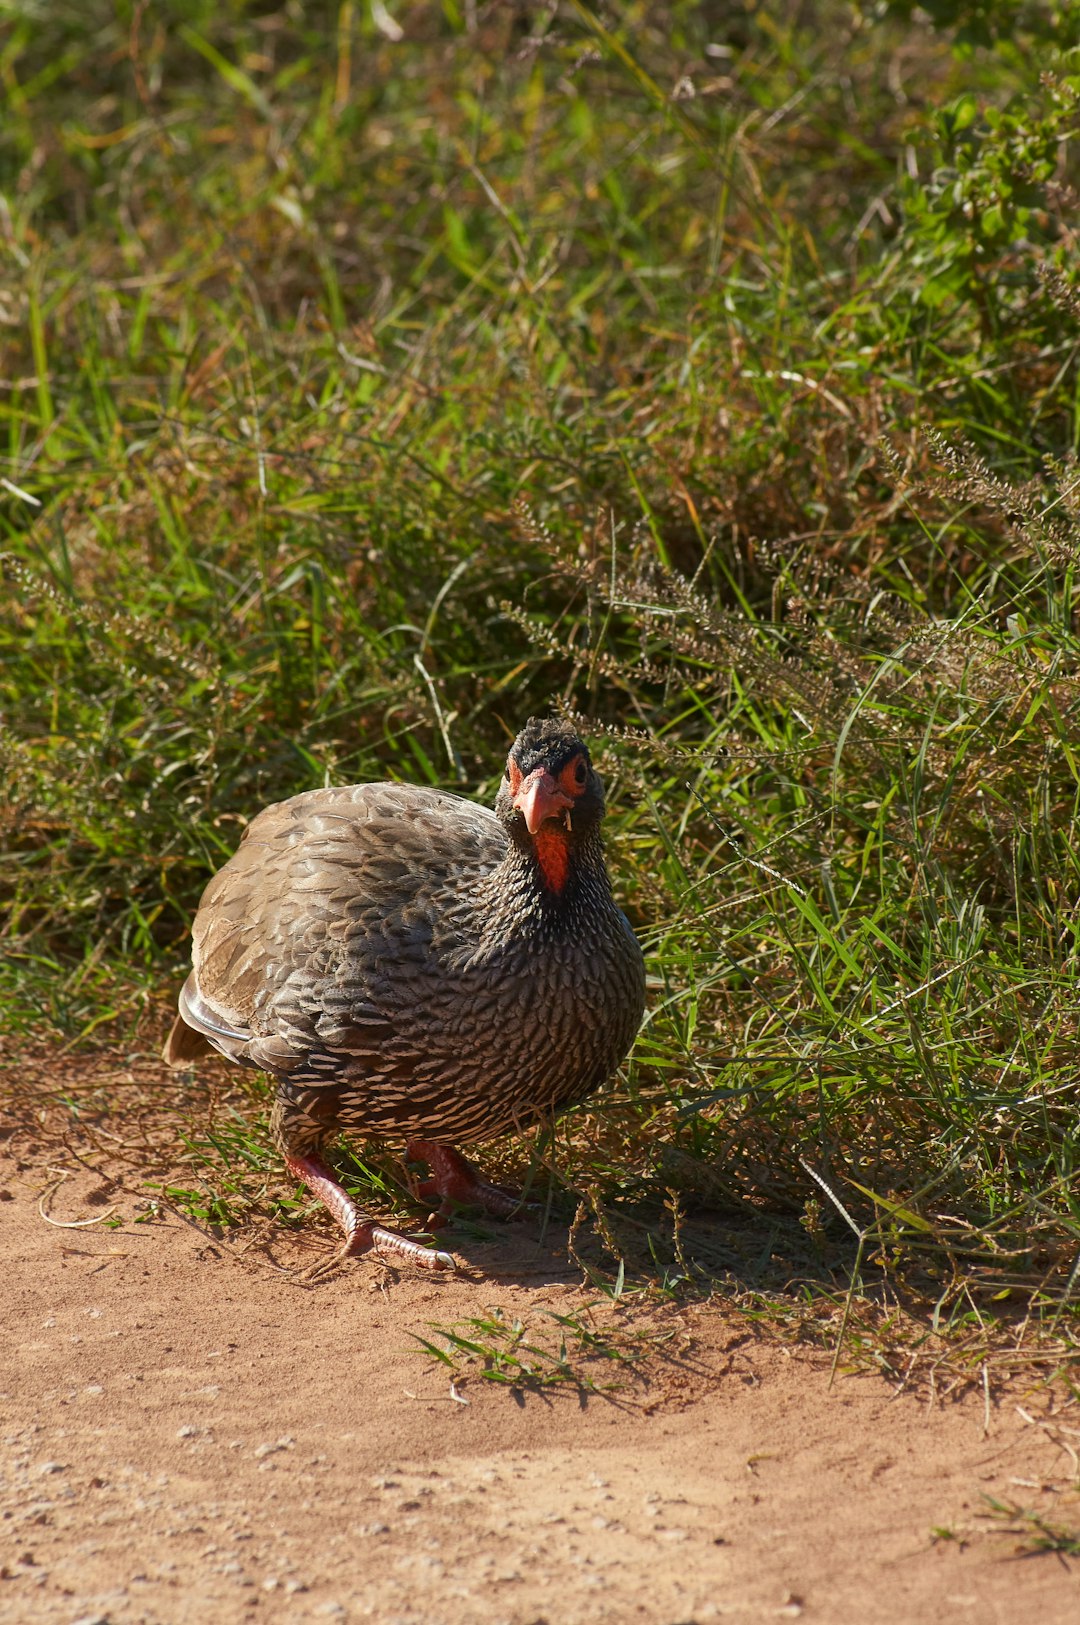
(546, 805)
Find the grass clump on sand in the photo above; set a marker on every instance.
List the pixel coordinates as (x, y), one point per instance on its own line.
(375, 380)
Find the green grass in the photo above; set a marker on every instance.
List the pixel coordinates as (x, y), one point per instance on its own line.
(1035, 1533)
(556, 1351)
(715, 381)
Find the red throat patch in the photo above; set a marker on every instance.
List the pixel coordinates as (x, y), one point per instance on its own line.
(553, 855)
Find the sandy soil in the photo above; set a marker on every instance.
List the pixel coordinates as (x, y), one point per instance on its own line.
(191, 1435)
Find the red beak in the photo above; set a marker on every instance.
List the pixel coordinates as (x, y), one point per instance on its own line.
(539, 797)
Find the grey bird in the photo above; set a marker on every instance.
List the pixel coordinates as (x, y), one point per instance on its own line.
(407, 963)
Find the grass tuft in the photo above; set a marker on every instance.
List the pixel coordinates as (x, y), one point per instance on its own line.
(554, 1351)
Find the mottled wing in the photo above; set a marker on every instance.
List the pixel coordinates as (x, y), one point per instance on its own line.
(328, 900)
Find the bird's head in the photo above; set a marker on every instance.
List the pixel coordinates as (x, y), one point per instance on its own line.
(551, 798)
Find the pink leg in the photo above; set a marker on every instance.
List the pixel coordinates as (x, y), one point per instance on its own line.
(455, 1181)
(361, 1235)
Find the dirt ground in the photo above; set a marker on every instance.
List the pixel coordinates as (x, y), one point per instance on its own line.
(191, 1434)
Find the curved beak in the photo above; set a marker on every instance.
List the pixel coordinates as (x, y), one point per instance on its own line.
(539, 797)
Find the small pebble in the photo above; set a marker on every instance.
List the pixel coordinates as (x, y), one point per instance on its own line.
(272, 1445)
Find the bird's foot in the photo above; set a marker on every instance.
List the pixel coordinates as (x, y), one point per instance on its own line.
(455, 1182)
(362, 1235)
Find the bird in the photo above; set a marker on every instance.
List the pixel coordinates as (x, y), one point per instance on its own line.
(407, 963)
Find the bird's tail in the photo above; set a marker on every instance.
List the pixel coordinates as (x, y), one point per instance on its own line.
(184, 1045)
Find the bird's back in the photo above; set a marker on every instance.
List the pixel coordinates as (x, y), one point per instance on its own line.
(367, 870)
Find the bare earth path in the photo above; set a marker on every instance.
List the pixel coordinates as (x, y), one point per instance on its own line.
(189, 1436)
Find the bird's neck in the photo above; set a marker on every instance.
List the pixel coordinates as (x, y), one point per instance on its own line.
(555, 870)
(554, 858)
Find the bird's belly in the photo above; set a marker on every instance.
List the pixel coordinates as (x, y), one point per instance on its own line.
(474, 1056)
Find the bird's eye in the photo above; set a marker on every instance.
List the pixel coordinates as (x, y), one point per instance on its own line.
(573, 777)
